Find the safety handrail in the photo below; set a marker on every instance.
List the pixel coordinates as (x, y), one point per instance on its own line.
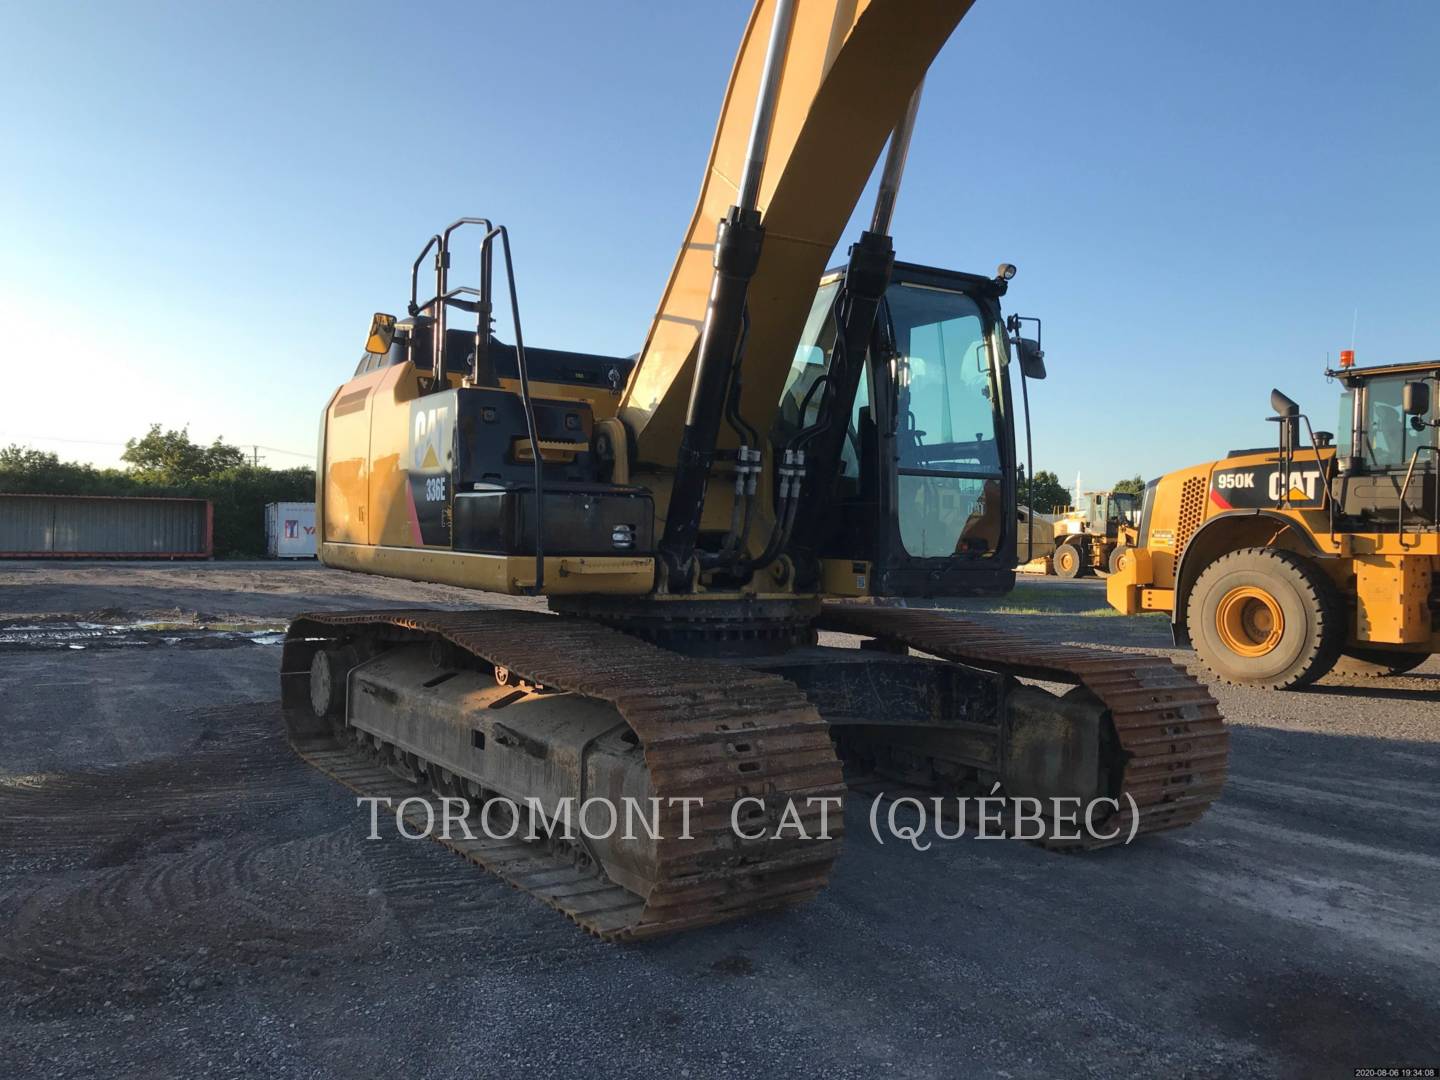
(1326, 477)
(482, 307)
(451, 297)
(1405, 487)
(522, 369)
(415, 272)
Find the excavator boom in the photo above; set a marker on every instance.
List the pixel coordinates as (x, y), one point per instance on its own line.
(832, 116)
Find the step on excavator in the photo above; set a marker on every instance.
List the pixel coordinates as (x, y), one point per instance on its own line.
(792, 449)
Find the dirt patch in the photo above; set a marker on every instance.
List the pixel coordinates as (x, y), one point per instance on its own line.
(155, 868)
(185, 896)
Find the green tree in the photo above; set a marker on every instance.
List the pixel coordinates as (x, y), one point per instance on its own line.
(169, 457)
(26, 459)
(27, 471)
(1043, 492)
(1134, 486)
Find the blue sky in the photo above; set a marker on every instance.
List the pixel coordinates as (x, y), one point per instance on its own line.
(201, 204)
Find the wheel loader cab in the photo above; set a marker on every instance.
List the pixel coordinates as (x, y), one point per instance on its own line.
(1107, 511)
(926, 481)
(1388, 448)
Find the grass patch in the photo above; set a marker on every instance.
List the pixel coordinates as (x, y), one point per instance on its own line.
(1059, 596)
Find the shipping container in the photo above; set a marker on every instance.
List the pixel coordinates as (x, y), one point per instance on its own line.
(104, 527)
(290, 530)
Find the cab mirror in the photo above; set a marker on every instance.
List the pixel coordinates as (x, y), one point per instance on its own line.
(1032, 358)
(1415, 399)
(382, 333)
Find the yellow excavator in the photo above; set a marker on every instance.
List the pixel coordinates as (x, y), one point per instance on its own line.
(792, 445)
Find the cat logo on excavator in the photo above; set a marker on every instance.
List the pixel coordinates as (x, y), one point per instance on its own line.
(431, 436)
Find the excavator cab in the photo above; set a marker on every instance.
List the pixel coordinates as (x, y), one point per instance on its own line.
(925, 485)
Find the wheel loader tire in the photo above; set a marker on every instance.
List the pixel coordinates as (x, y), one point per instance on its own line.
(1068, 563)
(1266, 617)
(1362, 663)
(1113, 563)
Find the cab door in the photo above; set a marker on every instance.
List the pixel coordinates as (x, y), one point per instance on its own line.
(945, 441)
(924, 494)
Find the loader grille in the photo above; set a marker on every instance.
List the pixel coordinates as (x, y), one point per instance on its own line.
(1192, 509)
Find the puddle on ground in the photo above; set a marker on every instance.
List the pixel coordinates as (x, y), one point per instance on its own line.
(141, 634)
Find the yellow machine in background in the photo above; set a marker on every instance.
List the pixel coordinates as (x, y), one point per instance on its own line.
(1279, 566)
(1092, 536)
(1036, 541)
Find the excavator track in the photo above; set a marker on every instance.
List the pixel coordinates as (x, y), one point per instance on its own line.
(1171, 737)
(717, 732)
(721, 731)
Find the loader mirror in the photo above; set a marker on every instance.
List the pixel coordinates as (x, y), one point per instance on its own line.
(1032, 358)
(382, 333)
(1415, 399)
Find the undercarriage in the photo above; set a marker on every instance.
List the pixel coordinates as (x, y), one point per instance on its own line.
(713, 783)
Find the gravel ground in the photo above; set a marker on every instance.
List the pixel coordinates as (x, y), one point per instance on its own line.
(183, 895)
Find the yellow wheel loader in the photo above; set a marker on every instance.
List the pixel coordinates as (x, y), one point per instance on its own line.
(1323, 554)
(791, 445)
(1093, 536)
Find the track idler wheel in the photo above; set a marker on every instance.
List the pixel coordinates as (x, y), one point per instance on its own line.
(329, 676)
